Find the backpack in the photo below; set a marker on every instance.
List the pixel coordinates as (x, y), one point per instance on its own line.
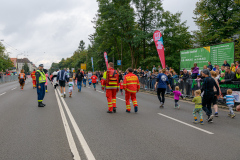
(112, 78)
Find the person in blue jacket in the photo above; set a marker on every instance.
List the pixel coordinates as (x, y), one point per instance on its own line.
(161, 85)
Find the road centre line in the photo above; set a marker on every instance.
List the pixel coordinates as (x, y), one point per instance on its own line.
(71, 142)
(185, 123)
(14, 88)
(79, 134)
(3, 93)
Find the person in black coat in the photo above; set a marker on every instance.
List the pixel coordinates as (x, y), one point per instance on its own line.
(79, 77)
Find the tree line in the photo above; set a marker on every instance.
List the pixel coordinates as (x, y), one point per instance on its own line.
(5, 61)
(124, 29)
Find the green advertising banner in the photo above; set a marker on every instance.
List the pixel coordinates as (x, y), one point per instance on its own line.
(216, 54)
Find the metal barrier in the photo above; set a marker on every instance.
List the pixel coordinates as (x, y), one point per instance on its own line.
(8, 78)
(188, 86)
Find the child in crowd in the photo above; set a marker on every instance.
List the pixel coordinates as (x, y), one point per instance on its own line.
(177, 94)
(121, 86)
(94, 80)
(222, 75)
(230, 100)
(198, 107)
(70, 87)
(196, 84)
(89, 82)
(46, 74)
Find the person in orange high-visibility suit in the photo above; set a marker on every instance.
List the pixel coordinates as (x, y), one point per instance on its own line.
(131, 86)
(111, 83)
(33, 78)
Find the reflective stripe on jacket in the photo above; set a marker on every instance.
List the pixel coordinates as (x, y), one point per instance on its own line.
(131, 83)
(104, 82)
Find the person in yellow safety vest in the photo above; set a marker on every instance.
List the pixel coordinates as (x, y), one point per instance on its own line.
(41, 80)
(111, 82)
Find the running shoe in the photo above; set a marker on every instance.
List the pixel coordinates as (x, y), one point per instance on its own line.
(201, 122)
(128, 111)
(216, 114)
(210, 118)
(109, 112)
(233, 115)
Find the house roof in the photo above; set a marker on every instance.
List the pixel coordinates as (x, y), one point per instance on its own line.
(24, 60)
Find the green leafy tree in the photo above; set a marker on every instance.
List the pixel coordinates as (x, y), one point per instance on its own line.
(148, 14)
(81, 46)
(5, 61)
(25, 68)
(217, 20)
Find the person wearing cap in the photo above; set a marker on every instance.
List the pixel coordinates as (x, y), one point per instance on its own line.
(208, 93)
(41, 80)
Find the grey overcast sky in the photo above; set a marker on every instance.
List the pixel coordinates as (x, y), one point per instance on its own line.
(46, 31)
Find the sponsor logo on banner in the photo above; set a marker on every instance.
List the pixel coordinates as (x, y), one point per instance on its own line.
(158, 39)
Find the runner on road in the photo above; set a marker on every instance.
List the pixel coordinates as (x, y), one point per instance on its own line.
(208, 93)
(161, 85)
(33, 75)
(46, 74)
(62, 78)
(41, 80)
(22, 78)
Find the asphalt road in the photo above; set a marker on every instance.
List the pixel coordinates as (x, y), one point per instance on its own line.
(80, 128)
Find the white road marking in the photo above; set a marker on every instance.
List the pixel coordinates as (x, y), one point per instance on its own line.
(79, 134)
(186, 124)
(116, 97)
(71, 142)
(13, 88)
(3, 93)
(121, 99)
(100, 91)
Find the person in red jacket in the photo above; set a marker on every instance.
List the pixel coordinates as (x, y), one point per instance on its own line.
(111, 81)
(33, 78)
(94, 80)
(131, 86)
(121, 86)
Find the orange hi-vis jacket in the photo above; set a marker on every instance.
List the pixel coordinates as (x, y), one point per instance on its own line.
(131, 83)
(33, 75)
(107, 81)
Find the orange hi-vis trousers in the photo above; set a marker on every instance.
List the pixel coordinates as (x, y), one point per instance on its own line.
(131, 95)
(34, 83)
(111, 98)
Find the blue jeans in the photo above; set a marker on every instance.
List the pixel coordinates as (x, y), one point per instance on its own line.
(94, 85)
(84, 82)
(79, 85)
